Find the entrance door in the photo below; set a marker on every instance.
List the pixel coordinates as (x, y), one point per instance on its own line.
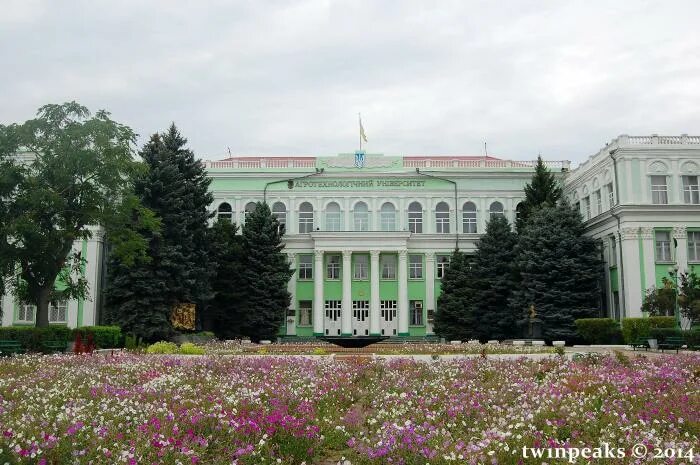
(291, 322)
(360, 318)
(332, 318)
(388, 320)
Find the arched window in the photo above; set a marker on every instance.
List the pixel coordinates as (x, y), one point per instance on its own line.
(279, 211)
(361, 217)
(306, 218)
(415, 217)
(224, 212)
(249, 208)
(496, 209)
(442, 218)
(387, 217)
(333, 217)
(469, 218)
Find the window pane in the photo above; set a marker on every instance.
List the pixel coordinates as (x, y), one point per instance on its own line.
(663, 246)
(388, 264)
(694, 246)
(306, 267)
(415, 267)
(361, 267)
(333, 267)
(659, 194)
(691, 189)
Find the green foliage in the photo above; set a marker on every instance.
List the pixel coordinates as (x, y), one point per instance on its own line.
(162, 347)
(191, 349)
(661, 334)
(227, 308)
(452, 320)
(660, 302)
(634, 329)
(542, 191)
(560, 271)
(689, 297)
(599, 330)
(175, 269)
(104, 337)
(492, 277)
(79, 168)
(560, 351)
(622, 359)
(31, 338)
(265, 275)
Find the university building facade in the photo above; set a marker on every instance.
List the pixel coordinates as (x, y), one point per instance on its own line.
(369, 235)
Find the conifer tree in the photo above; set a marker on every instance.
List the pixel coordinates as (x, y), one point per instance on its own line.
(560, 271)
(226, 310)
(543, 190)
(452, 319)
(493, 279)
(265, 276)
(141, 295)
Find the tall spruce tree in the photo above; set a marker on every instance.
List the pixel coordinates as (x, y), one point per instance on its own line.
(560, 271)
(543, 190)
(266, 275)
(141, 295)
(493, 278)
(227, 308)
(452, 319)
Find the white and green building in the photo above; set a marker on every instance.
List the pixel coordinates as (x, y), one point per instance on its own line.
(370, 235)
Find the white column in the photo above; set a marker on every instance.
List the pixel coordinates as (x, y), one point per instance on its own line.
(292, 288)
(346, 314)
(291, 227)
(647, 235)
(633, 288)
(403, 293)
(681, 236)
(318, 293)
(429, 287)
(374, 293)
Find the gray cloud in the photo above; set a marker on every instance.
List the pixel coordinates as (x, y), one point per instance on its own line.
(288, 78)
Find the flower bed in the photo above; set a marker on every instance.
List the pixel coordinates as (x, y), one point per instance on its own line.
(149, 409)
(324, 348)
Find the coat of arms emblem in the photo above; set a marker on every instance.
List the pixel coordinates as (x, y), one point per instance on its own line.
(359, 159)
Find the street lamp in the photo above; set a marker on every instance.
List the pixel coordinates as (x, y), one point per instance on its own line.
(673, 273)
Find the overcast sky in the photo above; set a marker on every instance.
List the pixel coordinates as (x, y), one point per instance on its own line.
(289, 77)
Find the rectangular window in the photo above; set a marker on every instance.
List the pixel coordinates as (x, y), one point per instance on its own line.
(694, 246)
(659, 192)
(388, 221)
(305, 307)
(332, 308)
(443, 263)
(663, 246)
(360, 310)
(416, 312)
(388, 265)
(57, 312)
(442, 222)
(333, 267)
(598, 202)
(691, 189)
(361, 267)
(469, 222)
(25, 313)
(611, 195)
(306, 269)
(333, 221)
(587, 208)
(415, 267)
(306, 222)
(415, 222)
(361, 221)
(613, 252)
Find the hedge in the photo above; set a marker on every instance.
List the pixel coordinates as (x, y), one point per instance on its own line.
(104, 337)
(599, 330)
(691, 337)
(32, 337)
(634, 329)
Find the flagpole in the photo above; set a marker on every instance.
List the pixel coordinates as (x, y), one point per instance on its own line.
(359, 120)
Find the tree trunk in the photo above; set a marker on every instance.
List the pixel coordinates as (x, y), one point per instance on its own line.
(42, 308)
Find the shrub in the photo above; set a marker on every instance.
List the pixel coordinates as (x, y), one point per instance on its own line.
(190, 349)
(319, 351)
(31, 337)
(104, 337)
(634, 329)
(162, 347)
(661, 334)
(599, 330)
(692, 337)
